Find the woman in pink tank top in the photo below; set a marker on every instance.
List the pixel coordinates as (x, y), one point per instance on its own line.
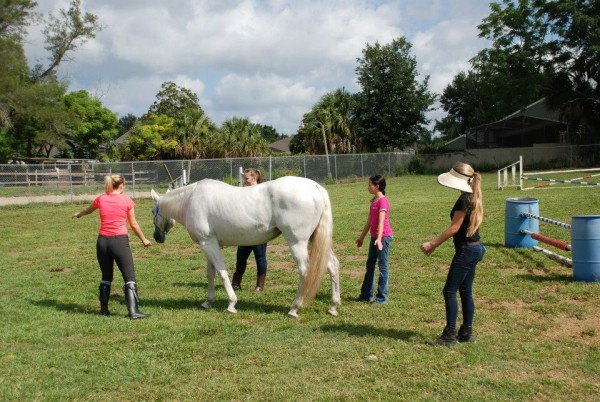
(378, 225)
(116, 209)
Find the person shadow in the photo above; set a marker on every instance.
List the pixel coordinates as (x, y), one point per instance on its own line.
(361, 330)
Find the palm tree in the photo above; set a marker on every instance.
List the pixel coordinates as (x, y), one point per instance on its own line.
(334, 111)
(195, 133)
(240, 137)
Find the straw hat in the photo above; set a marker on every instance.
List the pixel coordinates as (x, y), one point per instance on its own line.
(456, 180)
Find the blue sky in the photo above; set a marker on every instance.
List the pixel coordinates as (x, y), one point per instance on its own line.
(267, 60)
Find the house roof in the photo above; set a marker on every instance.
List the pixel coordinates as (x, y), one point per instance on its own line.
(535, 123)
(530, 117)
(282, 145)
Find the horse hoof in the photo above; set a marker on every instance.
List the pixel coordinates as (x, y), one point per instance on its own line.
(206, 305)
(293, 313)
(231, 310)
(333, 311)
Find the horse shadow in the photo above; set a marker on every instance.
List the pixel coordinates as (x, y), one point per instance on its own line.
(369, 331)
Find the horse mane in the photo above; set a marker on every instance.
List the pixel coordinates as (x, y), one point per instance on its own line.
(174, 197)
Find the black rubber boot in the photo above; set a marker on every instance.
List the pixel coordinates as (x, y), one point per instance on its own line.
(465, 334)
(448, 339)
(131, 299)
(236, 282)
(104, 295)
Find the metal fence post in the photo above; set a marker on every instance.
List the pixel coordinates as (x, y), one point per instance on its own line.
(362, 166)
(335, 165)
(70, 182)
(304, 163)
(133, 178)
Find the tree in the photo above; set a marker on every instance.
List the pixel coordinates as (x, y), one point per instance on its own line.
(96, 125)
(560, 39)
(126, 122)
(40, 119)
(15, 16)
(33, 115)
(270, 134)
(172, 100)
(334, 110)
(298, 144)
(151, 138)
(390, 109)
(64, 34)
(239, 137)
(466, 106)
(195, 134)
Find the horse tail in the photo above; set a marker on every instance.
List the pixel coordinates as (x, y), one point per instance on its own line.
(319, 251)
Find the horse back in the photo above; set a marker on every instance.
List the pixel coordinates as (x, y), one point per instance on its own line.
(256, 214)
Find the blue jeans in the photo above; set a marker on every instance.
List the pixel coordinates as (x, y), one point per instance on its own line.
(380, 257)
(460, 279)
(260, 255)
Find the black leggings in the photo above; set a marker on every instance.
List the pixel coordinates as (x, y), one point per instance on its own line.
(115, 248)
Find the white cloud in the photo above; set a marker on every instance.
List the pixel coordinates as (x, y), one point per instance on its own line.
(269, 60)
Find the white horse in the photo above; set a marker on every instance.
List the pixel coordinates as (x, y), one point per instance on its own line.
(216, 214)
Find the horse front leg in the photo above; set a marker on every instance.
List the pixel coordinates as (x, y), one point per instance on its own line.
(210, 276)
(213, 254)
(333, 266)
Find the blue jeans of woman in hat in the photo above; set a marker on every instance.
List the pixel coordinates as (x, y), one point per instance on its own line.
(381, 258)
(460, 279)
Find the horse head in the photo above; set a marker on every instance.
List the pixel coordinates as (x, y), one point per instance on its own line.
(162, 225)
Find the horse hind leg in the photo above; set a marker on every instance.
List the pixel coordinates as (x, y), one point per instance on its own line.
(333, 266)
(210, 276)
(299, 252)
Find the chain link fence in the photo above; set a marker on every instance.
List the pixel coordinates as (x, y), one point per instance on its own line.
(71, 181)
(76, 180)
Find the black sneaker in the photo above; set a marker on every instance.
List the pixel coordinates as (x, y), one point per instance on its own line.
(465, 335)
(448, 339)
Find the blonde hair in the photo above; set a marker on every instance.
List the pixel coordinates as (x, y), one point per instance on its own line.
(476, 198)
(255, 173)
(112, 182)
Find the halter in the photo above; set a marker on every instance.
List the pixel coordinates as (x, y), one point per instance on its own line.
(156, 216)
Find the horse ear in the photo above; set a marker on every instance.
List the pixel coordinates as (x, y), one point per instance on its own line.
(155, 196)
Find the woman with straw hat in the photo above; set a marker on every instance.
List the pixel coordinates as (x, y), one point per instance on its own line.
(466, 216)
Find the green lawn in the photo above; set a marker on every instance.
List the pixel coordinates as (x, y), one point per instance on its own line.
(538, 331)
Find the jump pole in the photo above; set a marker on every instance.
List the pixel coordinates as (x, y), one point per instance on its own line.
(548, 240)
(522, 231)
(556, 257)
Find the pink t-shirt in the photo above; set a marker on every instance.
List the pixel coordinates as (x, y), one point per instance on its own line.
(113, 209)
(377, 206)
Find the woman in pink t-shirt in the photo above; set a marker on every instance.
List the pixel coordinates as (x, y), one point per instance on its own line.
(113, 242)
(378, 225)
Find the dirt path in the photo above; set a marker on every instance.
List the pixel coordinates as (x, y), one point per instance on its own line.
(55, 198)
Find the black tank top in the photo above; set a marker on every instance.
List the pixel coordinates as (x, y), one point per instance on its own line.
(464, 204)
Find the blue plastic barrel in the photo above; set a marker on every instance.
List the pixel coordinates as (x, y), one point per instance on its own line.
(514, 222)
(585, 243)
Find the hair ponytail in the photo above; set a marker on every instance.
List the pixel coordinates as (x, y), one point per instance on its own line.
(476, 216)
(112, 182)
(476, 204)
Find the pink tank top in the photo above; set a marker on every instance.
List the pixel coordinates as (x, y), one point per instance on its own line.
(113, 209)
(377, 206)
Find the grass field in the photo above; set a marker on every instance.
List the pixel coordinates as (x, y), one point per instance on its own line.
(538, 331)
